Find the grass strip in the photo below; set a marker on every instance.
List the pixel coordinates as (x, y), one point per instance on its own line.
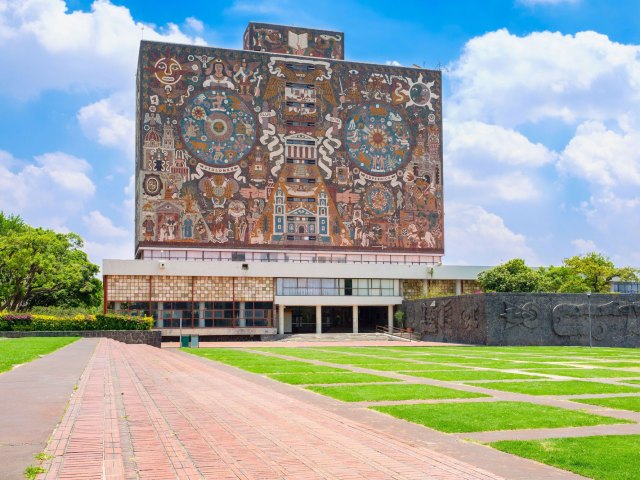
(488, 416)
(561, 387)
(404, 391)
(15, 351)
(619, 403)
(468, 375)
(587, 372)
(313, 378)
(606, 457)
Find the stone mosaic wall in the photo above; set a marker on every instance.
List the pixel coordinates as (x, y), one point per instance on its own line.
(611, 320)
(242, 149)
(264, 37)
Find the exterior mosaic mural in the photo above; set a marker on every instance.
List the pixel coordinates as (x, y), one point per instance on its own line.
(247, 149)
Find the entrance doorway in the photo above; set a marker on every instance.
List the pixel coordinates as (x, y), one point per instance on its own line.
(337, 319)
(371, 317)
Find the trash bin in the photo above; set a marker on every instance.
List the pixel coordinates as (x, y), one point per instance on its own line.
(195, 341)
(185, 340)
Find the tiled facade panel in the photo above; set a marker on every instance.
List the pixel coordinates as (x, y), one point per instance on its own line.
(245, 149)
(254, 289)
(470, 286)
(166, 288)
(127, 288)
(412, 289)
(442, 287)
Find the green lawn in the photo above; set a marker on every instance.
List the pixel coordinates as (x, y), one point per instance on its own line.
(312, 378)
(610, 457)
(587, 372)
(562, 387)
(468, 375)
(379, 393)
(479, 417)
(620, 403)
(405, 367)
(14, 351)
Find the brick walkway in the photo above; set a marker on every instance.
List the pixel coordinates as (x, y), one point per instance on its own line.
(142, 412)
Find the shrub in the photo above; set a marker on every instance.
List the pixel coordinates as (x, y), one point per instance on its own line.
(48, 323)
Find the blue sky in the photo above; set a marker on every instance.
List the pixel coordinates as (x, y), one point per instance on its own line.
(541, 127)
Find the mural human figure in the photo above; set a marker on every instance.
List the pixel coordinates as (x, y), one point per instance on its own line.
(148, 229)
(187, 227)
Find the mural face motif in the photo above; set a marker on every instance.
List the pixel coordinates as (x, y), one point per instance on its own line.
(378, 138)
(246, 149)
(218, 127)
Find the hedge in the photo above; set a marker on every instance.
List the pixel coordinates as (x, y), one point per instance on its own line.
(27, 322)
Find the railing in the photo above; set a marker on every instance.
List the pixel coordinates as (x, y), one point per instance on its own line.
(290, 257)
(406, 333)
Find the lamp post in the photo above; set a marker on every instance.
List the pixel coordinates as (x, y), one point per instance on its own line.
(589, 313)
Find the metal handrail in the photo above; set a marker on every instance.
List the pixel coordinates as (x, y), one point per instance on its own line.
(396, 332)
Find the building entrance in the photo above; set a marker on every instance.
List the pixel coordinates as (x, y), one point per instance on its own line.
(371, 317)
(337, 319)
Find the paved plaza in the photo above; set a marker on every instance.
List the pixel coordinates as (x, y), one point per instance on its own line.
(143, 412)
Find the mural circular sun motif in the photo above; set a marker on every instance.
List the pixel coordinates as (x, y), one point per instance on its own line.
(377, 138)
(378, 200)
(218, 128)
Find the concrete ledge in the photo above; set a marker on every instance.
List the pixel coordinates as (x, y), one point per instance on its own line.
(148, 337)
(236, 331)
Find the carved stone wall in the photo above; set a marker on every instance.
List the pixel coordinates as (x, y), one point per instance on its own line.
(612, 320)
(458, 319)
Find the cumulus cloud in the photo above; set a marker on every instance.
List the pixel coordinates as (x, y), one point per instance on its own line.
(602, 156)
(101, 226)
(52, 48)
(584, 246)
(195, 24)
(48, 191)
(511, 80)
(110, 122)
(478, 237)
(490, 163)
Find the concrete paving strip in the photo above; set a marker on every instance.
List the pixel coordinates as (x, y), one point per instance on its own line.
(33, 398)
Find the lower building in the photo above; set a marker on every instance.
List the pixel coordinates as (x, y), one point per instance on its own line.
(263, 294)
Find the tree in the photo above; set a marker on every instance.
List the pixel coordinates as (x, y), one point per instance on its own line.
(42, 267)
(512, 276)
(561, 279)
(596, 271)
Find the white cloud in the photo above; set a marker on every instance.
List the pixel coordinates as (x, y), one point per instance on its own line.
(99, 250)
(48, 192)
(195, 24)
(510, 80)
(110, 122)
(491, 163)
(584, 246)
(100, 226)
(603, 157)
(53, 48)
(475, 236)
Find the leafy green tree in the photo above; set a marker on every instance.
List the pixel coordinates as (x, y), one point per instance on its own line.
(42, 267)
(512, 276)
(596, 271)
(561, 279)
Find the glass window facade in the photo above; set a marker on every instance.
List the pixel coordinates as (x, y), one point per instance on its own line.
(363, 287)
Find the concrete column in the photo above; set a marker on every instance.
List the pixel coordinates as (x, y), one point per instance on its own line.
(160, 319)
(318, 319)
(242, 319)
(458, 287)
(201, 314)
(116, 307)
(281, 319)
(390, 317)
(355, 319)
(425, 288)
